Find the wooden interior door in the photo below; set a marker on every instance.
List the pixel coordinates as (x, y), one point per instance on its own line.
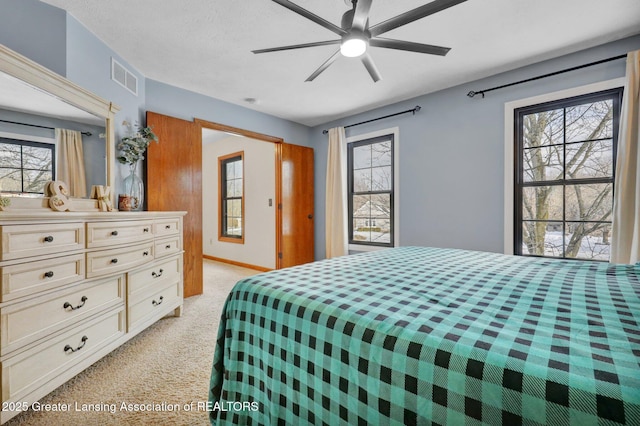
(174, 182)
(297, 212)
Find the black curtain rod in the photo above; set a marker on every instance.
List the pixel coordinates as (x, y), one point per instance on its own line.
(36, 125)
(472, 93)
(413, 110)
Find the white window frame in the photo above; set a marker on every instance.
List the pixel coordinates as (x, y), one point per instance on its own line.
(395, 131)
(509, 142)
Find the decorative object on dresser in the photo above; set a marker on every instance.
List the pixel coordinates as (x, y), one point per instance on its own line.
(102, 193)
(74, 287)
(59, 196)
(132, 149)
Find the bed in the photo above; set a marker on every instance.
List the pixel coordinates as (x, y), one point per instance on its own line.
(416, 335)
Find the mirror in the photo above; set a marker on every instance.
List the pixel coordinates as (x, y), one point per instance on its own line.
(33, 102)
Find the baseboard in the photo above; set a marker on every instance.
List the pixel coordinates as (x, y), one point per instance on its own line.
(233, 262)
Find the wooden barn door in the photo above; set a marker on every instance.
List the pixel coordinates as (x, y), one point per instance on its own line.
(297, 221)
(174, 182)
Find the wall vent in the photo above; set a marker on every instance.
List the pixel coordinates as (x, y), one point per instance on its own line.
(124, 77)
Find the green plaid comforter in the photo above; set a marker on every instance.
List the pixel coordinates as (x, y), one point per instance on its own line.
(418, 335)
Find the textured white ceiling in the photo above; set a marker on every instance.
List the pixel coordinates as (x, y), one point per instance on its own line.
(205, 46)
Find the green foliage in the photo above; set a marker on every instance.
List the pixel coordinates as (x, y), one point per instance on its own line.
(5, 201)
(132, 148)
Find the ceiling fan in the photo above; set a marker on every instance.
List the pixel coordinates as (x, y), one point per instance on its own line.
(356, 34)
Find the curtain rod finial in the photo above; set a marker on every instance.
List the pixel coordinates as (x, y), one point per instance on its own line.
(471, 94)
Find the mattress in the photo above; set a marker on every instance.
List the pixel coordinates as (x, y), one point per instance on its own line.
(417, 335)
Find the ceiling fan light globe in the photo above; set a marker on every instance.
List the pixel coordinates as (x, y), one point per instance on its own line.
(353, 47)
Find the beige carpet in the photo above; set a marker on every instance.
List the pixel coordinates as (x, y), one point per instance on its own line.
(168, 363)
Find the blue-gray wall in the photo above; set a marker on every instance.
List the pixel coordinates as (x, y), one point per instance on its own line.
(452, 151)
(35, 30)
(170, 100)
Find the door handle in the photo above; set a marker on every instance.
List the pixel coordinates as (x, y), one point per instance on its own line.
(310, 216)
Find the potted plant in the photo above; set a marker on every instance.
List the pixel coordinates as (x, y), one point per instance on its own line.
(132, 149)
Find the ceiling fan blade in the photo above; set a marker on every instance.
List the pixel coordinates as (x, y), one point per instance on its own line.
(313, 17)
(324, 66)
(361, 15)
(297, 46)
(412, 15)
(409, 45)
(371, 67)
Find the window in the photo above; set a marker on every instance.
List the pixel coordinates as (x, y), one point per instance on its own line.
(564, 174)
(231, 210)
(25, 166)
(371, 183)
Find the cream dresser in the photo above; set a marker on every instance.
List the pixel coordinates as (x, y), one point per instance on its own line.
(75, 286)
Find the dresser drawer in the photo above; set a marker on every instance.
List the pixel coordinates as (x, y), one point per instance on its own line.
(107, 262)
(169, 226)
(20, 241)
(23, 279)
(153, 277)
(156, 303)
(167, 246)
(105, 234)
(29, 370)
(26, 322)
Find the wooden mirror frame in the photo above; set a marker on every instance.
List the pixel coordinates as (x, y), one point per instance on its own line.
(42, 78)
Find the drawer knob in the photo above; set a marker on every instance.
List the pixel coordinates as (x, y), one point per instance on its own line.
(48, 239)
(114, 260)
(168, 246)
(73, 308)
(48, 274)
(167, 227)
(114, 233)
(145, 253)
(154, 303)
(68, 348)
(145, 230)
(158, 274)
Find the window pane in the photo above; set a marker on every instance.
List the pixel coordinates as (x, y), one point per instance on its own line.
(36, 158)
(234, 188)
(542, 238)
(10, 180)
(234, 208)
(362, 180)
(34, 180)
(590, 121)
(588, 240)
(381, 154)
(230, 170)
(590, 159)
(381, 178)
(541, 164)
(372, 218)
(589, 202)
(543, 128)
(238, 168)
(10, 155)
(542, 203)
(362, 156)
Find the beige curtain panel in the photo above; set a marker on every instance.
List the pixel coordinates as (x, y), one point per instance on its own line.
(71, 162)
(336, 203)
(625, 234)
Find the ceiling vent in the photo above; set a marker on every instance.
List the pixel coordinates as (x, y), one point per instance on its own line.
(124, 77)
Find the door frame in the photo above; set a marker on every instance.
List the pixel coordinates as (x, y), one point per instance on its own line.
(278, 160)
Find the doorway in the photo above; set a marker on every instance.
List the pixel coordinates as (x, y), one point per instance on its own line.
(238, 207)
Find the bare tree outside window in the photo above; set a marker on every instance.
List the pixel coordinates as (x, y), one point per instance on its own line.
(565, 177)
(25, 167)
